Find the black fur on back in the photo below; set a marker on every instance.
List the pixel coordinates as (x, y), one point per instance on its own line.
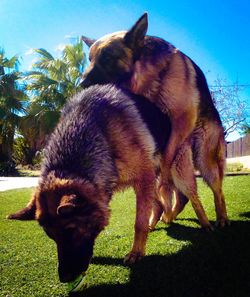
(157, 122)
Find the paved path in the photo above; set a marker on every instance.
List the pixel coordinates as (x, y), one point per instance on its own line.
(9, 183)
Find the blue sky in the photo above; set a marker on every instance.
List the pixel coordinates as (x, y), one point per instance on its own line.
(215, 34)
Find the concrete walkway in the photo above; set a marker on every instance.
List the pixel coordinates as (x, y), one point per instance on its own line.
(9, 183)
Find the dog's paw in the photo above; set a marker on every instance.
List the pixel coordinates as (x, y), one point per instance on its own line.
(208, 227)
(132, 258)
(151, 228)
(222, 222)
(167, 218)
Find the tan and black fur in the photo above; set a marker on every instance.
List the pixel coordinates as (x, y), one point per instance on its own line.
(154, 68)
(106, 140)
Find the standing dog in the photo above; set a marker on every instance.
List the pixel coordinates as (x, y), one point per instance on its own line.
(154, 68)
(106, 140)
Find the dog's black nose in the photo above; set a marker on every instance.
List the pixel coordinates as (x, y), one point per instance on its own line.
(65, 278)
(66, 272)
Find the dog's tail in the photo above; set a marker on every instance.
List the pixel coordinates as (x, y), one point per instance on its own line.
(221, 155)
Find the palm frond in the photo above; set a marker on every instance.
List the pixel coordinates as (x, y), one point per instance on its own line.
(43, 53)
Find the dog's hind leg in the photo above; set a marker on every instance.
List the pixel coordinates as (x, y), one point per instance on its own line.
(215, 184)
(27, 213)
(184, 180)
(145, 195)
(165, 196)
(211, 163)
(181, 129)
(180, 201)
(162, 204)
(157, 211)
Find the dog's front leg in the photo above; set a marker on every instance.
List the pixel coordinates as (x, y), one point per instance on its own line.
(145, 192)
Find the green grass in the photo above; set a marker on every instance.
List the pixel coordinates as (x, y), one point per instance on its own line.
(182, 260)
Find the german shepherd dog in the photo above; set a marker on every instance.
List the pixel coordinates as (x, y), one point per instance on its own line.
(155, 69)
(106, 140)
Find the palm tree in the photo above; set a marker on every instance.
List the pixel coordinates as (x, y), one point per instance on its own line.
(12, 102)
(35, 126)
(51, 81)
(55, 79)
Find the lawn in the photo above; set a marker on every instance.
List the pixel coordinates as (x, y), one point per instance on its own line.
(182, 260)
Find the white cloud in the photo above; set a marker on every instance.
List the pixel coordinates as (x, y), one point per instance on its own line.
(31, 63)
(29, 52)
(60, 47)
(71, 35)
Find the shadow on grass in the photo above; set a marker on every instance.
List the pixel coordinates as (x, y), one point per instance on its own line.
(245, 214)
(213, 264)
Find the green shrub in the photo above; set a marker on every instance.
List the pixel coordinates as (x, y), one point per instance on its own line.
(37, 160)
(234, 167)
(24, 155)
(20, 150)
(8, 168)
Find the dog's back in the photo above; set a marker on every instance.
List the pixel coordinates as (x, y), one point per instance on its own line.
(104, 130)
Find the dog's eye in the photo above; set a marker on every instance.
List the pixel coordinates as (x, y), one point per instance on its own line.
(106, 57)
(70, 229)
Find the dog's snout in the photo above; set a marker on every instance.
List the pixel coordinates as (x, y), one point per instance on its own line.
(68, 271)
(65, 278)
(73, 261)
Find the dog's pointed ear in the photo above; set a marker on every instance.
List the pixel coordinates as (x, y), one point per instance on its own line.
(88, 41)
(135, 36)
(27, 213)
(67, 204)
